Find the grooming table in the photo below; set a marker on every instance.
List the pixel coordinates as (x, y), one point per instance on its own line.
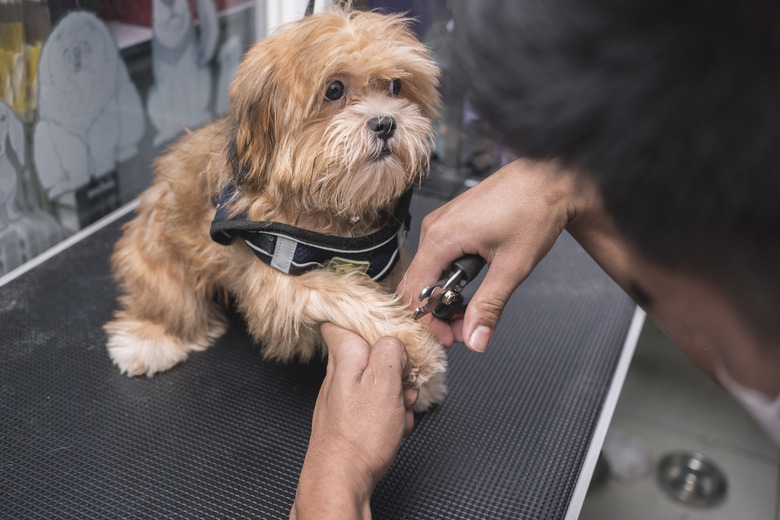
(224, 434)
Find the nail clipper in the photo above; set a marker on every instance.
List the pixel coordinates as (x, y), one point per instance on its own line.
(444, 298)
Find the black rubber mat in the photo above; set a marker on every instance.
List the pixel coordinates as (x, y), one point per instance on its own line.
(224, 434)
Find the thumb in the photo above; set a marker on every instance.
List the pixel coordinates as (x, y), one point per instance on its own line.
(346, 350)
(488, 303)
(387, 363)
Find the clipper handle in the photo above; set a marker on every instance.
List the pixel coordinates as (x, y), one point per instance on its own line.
(471, 265)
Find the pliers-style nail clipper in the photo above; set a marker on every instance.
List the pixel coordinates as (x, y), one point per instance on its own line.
(444, 298)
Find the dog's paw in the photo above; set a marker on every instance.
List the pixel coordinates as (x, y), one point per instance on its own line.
(431, 392)
(429, 361)
(145, 354)
(140, 347)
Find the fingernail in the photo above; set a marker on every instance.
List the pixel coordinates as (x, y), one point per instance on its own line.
(479, 339)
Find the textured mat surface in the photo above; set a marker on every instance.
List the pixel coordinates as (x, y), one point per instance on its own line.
(224, 434)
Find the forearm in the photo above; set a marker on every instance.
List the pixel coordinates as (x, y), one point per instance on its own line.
(329, 501)
(361, 415)
(330, 488)
(595, 231)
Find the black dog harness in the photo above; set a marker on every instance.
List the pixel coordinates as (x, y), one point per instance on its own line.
(296, 251)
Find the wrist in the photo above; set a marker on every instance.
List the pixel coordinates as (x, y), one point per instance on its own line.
(583, 201)
(331, 486)
(561, 191)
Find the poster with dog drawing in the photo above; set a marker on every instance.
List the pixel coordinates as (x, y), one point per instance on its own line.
(181, 93)
(11, 141)
(91, 117)
(25, 230)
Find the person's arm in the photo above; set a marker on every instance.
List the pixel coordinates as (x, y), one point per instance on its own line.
(361, 415)
(512, 219)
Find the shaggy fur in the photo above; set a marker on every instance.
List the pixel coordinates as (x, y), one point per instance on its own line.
(298, 158)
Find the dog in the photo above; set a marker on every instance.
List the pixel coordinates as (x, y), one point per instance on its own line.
(328, 130)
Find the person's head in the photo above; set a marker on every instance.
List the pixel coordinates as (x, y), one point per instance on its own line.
(672, 107)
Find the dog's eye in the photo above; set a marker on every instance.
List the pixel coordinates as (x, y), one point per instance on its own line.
(395, 87)
(334, 91)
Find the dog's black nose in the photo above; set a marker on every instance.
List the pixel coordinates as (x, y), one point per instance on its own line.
(384, 127)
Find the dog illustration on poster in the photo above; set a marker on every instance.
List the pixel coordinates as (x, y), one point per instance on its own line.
(181, 93)
(11, 139)
(91, 117)
(25, 230)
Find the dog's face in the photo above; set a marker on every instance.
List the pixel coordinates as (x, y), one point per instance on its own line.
(333, 114)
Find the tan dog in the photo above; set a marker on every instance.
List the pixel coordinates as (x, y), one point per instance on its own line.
(329, 127)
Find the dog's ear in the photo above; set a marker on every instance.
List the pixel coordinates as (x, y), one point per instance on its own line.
(251, 128)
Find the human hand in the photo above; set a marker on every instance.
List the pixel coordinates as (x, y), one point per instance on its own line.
(361, 415)
(511, 219)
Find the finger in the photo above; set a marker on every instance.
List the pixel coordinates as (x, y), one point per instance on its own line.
(408, 422)
(488, 303)
(407, 366)
(410, 397)
(441, 330)
(446, 332)
(424, 270)
(456, 327)
(347, 351)
(432, 259)
(386, 363)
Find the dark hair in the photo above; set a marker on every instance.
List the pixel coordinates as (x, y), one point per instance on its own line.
(671, 106)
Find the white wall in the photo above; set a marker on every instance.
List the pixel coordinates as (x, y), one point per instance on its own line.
(270, 14)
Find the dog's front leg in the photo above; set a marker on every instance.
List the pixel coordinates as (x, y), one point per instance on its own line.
(165, 312)
(285, 315)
